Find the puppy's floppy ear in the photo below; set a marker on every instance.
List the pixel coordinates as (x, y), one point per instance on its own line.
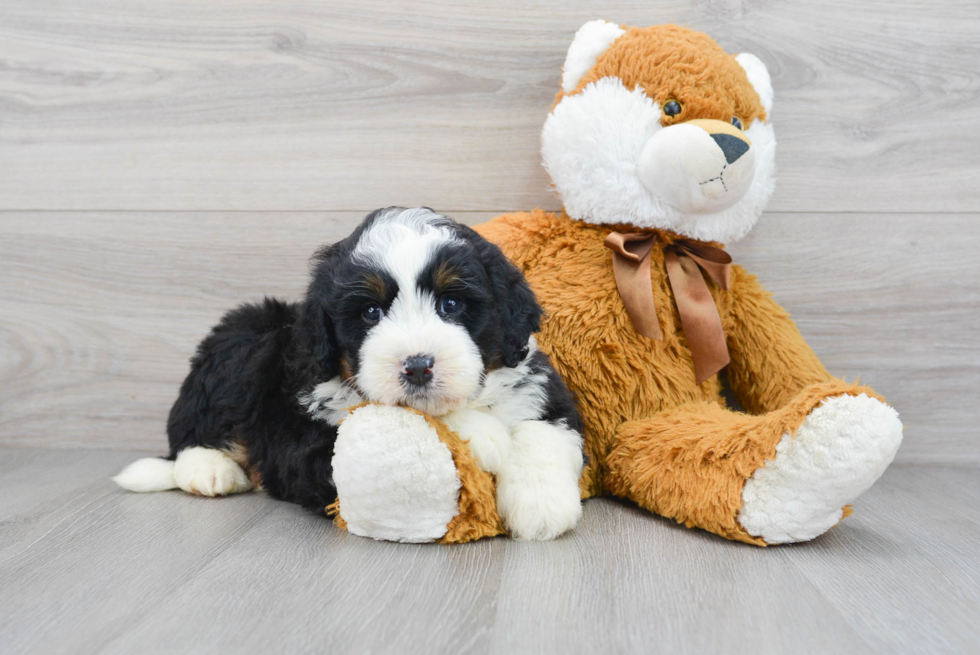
(316, 340)
(517, 308)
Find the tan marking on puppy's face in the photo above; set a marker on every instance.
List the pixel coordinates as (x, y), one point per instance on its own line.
(445, 276)
(376, 286)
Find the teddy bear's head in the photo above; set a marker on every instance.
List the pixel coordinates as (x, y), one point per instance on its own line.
(658, 127)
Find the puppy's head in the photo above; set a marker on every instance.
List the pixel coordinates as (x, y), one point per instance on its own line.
(413, 309)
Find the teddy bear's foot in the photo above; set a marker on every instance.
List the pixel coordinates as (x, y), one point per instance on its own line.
(836, 454)
(538, 495)
(209, 472)
(395, 479)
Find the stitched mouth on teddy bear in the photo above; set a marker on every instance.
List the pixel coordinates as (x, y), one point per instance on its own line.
(715, 182)
(697, 169)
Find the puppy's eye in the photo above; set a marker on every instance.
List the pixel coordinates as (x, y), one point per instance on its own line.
(737, 122)
(372, 314)
(672, 107)
(450, 305)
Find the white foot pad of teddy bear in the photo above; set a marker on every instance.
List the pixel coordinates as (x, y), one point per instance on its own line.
(396, 481)
(841, 448)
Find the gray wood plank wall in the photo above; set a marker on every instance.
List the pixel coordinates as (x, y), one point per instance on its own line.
(161, 161)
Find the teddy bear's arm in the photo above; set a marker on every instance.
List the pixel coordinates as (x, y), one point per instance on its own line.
(770, 360)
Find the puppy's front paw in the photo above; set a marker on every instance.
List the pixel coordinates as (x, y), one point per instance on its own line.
(487, 437)
(209, 472)
(538, 495)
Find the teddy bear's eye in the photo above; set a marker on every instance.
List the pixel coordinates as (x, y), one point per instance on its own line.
(737, 122)
(672, 107)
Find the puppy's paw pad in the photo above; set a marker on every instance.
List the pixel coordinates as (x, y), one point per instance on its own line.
(209, 472)
(836, 454)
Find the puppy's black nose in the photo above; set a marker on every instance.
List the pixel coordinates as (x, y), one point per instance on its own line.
(418, 370)
(732, 146)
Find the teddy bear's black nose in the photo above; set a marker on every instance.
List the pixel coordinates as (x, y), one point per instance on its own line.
(732, 146)
(417, 370)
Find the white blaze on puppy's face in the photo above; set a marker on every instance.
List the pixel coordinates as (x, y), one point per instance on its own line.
(402, 244)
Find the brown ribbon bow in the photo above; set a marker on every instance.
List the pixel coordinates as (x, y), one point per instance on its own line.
(684, 259)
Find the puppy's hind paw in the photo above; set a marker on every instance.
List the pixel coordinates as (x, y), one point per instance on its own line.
(209, 472)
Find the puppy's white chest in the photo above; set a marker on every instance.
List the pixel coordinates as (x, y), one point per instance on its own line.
(395, 479)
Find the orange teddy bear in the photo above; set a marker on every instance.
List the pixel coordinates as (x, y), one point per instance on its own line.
(660, 147)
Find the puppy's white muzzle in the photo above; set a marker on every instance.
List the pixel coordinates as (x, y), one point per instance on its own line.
(698, 167)
(411, 330)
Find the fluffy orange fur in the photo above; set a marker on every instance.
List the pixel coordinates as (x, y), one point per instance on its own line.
(673, 63)
(477, 516)
(651, 433)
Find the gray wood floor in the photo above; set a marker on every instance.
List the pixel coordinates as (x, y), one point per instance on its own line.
(88, 568)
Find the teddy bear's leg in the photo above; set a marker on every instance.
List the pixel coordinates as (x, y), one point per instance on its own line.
(776, 478)
(395, 479)
(404, 476)
(836, 454)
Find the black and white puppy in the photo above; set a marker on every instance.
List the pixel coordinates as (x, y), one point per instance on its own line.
(411, 309)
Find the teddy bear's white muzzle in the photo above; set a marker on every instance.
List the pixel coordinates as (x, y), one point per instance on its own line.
(697, 168)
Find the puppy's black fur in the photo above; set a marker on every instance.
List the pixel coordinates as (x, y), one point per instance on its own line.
(242, 391)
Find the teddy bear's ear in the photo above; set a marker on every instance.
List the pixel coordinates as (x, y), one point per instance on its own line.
(759, 77)
(591, 40)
